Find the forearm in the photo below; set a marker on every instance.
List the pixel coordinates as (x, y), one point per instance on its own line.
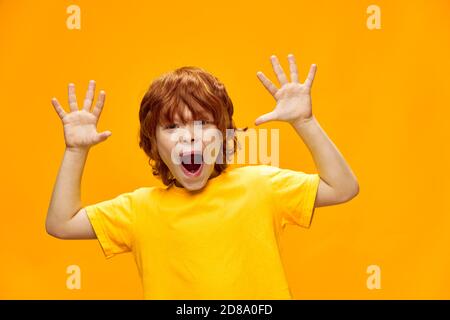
(66, 197)
(331, 165)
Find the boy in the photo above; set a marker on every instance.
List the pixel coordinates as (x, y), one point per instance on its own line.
(210, 233)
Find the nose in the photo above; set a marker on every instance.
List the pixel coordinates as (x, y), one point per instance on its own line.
(186, 139)
(191, 135)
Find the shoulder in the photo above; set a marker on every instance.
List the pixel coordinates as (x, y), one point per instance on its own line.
(144, 193)
(142, 198)
(257, 169)
(137, 196)
(257, 172)
(272, 174)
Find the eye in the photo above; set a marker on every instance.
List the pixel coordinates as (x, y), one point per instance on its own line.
(171, 126)
(206, 122)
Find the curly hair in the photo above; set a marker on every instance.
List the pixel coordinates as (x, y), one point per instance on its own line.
(168, 95)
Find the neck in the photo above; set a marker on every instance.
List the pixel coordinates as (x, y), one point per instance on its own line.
(213, 175)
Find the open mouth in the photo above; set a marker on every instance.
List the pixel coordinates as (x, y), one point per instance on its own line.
(192, 163)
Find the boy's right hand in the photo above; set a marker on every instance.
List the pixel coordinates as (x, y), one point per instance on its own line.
(80, 126)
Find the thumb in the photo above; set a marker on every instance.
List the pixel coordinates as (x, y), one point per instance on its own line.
(266, 118)
(102, 136)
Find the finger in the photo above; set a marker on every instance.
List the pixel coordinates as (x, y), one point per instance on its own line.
(293, 68)
(72, 98)
(89, 96)
(312, 73)
(281, 76)
(59, 110)
(102, 136)
(266, 118)
(267, 83)
(99, 105)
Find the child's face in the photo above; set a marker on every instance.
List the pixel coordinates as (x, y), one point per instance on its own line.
(181, 146)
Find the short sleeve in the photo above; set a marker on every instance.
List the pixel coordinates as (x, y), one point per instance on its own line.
(112, 221)
(293, 193)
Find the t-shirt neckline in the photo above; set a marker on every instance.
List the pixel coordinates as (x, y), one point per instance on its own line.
(183, 190)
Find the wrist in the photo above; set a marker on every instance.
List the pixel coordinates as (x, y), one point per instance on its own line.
(303, 122)
(77, 150)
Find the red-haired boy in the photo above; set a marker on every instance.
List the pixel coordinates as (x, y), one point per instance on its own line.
(211, 232)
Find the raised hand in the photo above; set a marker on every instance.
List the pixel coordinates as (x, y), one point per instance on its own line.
(293, 99)
(80, 126)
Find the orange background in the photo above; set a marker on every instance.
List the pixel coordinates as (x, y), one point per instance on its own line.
(381, 95)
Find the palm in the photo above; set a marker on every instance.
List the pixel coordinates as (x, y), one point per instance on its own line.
(293, 102)
(80, 126)
(293, 98)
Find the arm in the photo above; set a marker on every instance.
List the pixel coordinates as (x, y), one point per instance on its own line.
(65, 217)
(337, 182)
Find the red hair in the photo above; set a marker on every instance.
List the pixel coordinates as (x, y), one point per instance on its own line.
(168, 95)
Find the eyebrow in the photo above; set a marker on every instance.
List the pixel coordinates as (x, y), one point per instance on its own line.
(207, 117)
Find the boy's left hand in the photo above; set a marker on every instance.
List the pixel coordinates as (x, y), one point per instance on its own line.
(293, 98)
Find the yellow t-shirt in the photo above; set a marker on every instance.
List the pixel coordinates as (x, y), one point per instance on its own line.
(218, 243)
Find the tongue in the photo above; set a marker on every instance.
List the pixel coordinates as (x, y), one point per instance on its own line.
(191, 163)
(192, 167)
